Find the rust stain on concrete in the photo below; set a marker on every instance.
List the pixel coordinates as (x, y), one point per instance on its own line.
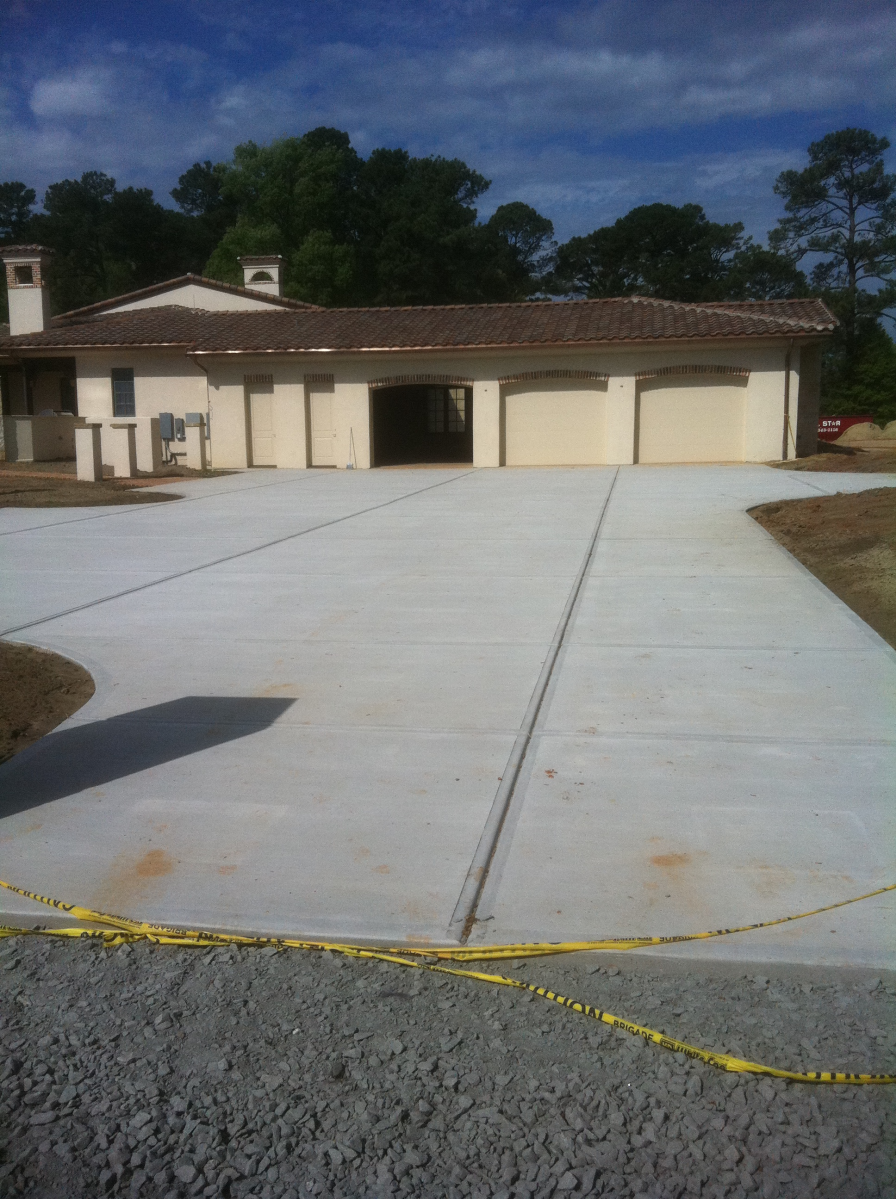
(381, 870)
(769, 881)
(132, 879)
(290, 690)
(226, 869)
(670, 861)
(153, 864)
(23, 832)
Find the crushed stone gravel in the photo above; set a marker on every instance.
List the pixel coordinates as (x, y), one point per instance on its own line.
(157, 1071)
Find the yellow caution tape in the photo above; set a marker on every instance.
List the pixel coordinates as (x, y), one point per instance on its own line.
(453, 953)
(125, 931)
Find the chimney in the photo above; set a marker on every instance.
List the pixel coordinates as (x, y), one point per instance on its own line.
(29, 300)
(263, 272)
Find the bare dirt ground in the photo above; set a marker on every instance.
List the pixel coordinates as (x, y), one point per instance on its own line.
(38, 690)
(849, 543)
(842, 458)
(54, 485)
(48, 491)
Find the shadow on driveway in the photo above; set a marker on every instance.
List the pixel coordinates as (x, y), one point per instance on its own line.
(89, 755)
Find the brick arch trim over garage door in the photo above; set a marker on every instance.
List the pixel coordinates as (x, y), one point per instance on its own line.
(696, 368)
(432, 380)
(533, 376)
(691, 414)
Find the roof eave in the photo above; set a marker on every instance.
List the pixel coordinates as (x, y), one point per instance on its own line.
(784, 335)
(101, 345)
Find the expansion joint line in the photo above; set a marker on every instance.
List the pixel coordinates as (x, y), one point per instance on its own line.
(137, 509)
(464, 916)
(255, 549)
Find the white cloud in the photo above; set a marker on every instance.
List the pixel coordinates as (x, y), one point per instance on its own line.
(531, 103)
(81, 93)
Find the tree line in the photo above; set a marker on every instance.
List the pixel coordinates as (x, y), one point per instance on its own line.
(393, 229)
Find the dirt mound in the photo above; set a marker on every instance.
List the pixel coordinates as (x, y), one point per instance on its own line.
(838, 457)
(867, 431)
(38, 690)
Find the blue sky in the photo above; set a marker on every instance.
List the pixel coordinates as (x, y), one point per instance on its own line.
(581, 109)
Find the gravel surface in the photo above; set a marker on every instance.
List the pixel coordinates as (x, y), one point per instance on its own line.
(144, 1071)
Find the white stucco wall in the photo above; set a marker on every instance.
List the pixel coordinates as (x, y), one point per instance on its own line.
(230, 418)
(29, 309)
(169, 381)
(164, 381)
(195, 295)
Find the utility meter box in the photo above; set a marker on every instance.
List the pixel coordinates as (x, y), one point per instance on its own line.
(166, 426)
(194, 420)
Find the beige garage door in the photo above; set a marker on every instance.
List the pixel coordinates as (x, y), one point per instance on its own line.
(554, 423)
(690, 421)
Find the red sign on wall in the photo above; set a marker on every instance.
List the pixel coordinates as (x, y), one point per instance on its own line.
(832, 427)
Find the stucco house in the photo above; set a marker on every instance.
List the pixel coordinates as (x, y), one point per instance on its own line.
(275, 382)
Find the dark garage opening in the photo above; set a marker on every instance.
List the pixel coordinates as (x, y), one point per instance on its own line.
(422, 423)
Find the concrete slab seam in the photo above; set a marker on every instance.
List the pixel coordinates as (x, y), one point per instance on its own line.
(124, 510)
(228, 557)
(727, 738)
(464, 915)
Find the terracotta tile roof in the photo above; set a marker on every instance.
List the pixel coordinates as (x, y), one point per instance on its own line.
(562, 323)
(183, 281)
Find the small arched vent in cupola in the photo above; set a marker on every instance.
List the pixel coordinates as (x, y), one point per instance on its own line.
(263, 272)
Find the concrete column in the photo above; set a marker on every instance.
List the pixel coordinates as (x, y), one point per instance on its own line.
(19, 439)
(149, 445)
(120, 449)
(621, 397)
(88, 452)
(195, 446)
(488, 449)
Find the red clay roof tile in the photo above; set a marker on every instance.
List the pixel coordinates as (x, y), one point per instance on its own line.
(462, 326)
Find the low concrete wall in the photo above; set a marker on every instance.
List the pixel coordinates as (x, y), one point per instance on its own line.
(90, 454)
(39, 438)
(119, 449)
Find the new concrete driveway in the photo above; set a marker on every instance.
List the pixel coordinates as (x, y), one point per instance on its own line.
(397, 705)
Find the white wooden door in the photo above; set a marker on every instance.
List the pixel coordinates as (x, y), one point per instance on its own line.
(261, 420)
(323, 431)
